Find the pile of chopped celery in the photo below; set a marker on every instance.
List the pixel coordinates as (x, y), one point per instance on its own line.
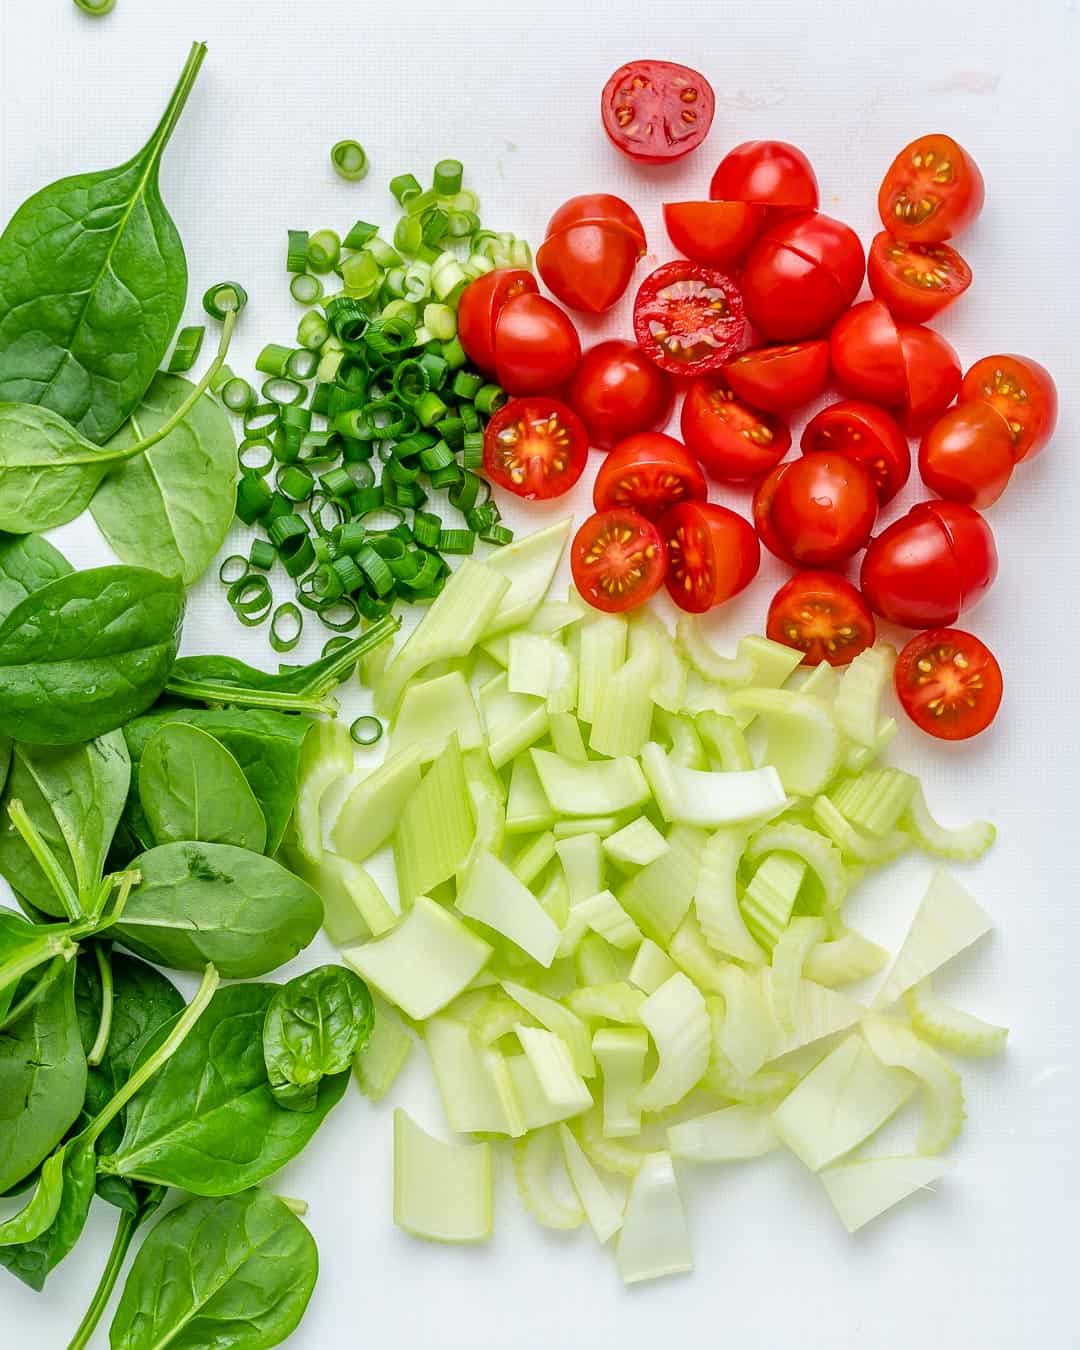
(622, 862)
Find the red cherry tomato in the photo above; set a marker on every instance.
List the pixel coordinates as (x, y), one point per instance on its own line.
(716, 234)
(916, 281)
(766, 173)
(713, 554)
(801, 275)
(823, 616)
(867, 434)
(823, 509)
(617, 390)
(967, 455)
(481, 302)
(761, 509)
(929, 565)
(588, 257)
(780, 378)
(598, 208)
(948, 683)
(618, 560)
(535, 447)
(866, 354)
(1023, 392)
(536, 345)
(688, 318)
(657, 111)
(650, 473)
(932, 191)
(933, 375)
(733, 441)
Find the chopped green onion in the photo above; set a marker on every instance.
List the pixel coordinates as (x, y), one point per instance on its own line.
(296, 257)
(283, 391)
(301, 364)
(323, 251)
(186, 352)
(286, 627)
(233, 569)
(273, 359)
(405, 188)
(263, 554)
(253, 497)
(361, 233)
(227, 297)
(447, 177)
(366, 730)
(312, 331)
(350, 160)
(251, 599)
(96, 8)
(238, 396)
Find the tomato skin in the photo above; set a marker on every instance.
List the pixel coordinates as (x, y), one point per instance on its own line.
(649, 473)
(867, 356)
(867, 434)
(618, 560)
(824, 509)
(617, 391)
(536, 345)
(588, 257)
(1023, 392)
(933, 375)
(716, 234)
(967, 455)
(949, 683)
(481, 302)
(766, 173)
(683, 300)
(761, 510)
(779, 378)
(713, 554)
(934, 170)
(972, 543)
(800, 276)
(525, 438)
(657, 111)
(598, 208)
(822, 615)
(733, 441)
(916, 281)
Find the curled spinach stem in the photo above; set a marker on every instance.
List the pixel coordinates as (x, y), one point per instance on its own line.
(225, 695)
(46, 860)
(104, 1031)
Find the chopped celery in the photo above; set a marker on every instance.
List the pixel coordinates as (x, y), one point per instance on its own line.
(697, 797)
(668, 687)
(636, 844)
(442, 1192)
(551, 1061)
(652, 967)
(534, 1109)
(684, 744)
(854, 843)
(864, 1188)
(513, 721)
(488, 798)
(821, 857)
(328, 755)
(434, 710)
(555, 616)
(528, 564)
(610, 1154)
(653, 1240)
(379, 1063)
(620, 1053)
(724, 740)
(716, 899)
(527, 808)
(554, 898)
(602, 651)
(597, 962)
(678, 1022)
(424, 962)
(962, 843)
(860, 757)
(858, 699)
(773, 662)
(566, 737)
(601, 826)
(542, 667)
(622, 716)
(604, 915)
(802, 741)
(730, 1135)
(535, 1157)
(468, 1093)
(817, 1012)
(354, 908)
(601, 1210)
(608, 1003)
(498, 649)
(497, 1016)
(692, 954)
(550, 1013)
(876, 799)
(943, 1098)
(746, 1032)
(598, 787)
(436, 829)
(582, 862)
(770, 895)
(703, 696)
(658, 897)
(533, 858)
(848, 958)
(765, 1086)
(515, 1092)
(950, 1028)
(691, 641)
(371, 811)
(491, 894)
(788, 958)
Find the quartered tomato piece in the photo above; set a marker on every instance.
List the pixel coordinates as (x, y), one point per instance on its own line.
(617, 390)
(932, 369)
(536, 345)
(689, 318)
(766, 173)
(823, 616)
(780, 378)
(650, 473)
(713, 554)
(733, 441)
(618, 560)
(800, 275)
(948, 683)
(716, 234)
(535, 447)
(967, 455)
(867, 434)
(592, 245)
(932, 191)
(1023, 392)
(481, 302)
(657, 111)
(867, 356)
(916, 281)
(823, 509)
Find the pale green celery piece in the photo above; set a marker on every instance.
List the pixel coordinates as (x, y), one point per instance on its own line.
(860, 757)
(566, 739)
(769, 898)
(465, 1085)
(724, 740)
(534, 1108)
(858, 700)
(949, 1027)
(716, 898)
(557, 1018)
(701, 797)
(527, 808)
(599, 787)
(498, 1017)
(668, 688)
(543, 668)
(597, 962)
(693, 955)
(488, 798)
(623, 710)
(536, 1157)
(652, 967)
(962, 843)
(846, 1099)
(896, 1045)
(492, 895)
(733, 1134)
(601, 826)
(746, 1032)
(692, 642)
(498, 649)
(528, 565)
(431, 712)
(788, 958)
(513, 721)
(563, 1087)
(847, 958)
(678, 1022)
(507, 1091)
(636, 844)
(479, 769)
(554, 897)
(607, 918)
(603, 1212)
(821, 680)
(658, 897)
(436, 830)
(828, 885)
(704, 696)
(766, 1086)
(328, 755)
(864, 1188)
(876, 799)
(533, 858)
(802, 740)
(370, 813)
(620, 1053)
(856, 844)
(379, 1063)
(818, 1012)
(685, 746)
(602, 642)
(608, 1003)
(654, 1240)
(354, 907)
(773, 662)
(555, 616)
(442, 1192)
(420, 965)
(610, 1154)
(582, 860)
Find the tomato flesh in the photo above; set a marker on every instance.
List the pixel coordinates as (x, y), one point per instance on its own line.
(823, 509)
(657, 111)
(481, 302)
(867, 434)
(688, 318)
(649, 473)
(1023, 392)
(932, 191)
(949, 683)
(716, 234)
(777, 379)
(766, 173)
(916, 281)
(967, 455)
(734, 442)
(823, 616)
(761, 509)
(535, 447)
(713, 553)
(618, 391)
(618, 560)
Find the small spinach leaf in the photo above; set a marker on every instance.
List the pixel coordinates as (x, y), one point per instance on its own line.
(31, 1260)
(314, 1026)
(27, 562)
(190, 787)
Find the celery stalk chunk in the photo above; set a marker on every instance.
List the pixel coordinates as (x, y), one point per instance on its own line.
(536, 1157)
(542, 667)
(602, 650)
(377, 1066)
(442, 1192)
(492, 895)
(943, 1097)
(844, 960)
(553, 1015)
(716, 899)
(599, 787)
(678, 1022)
(622, 718)
(816, 1012)
(434, 710)
(328, 756)
(961, 843)
(513, 721)
(747, 1031)
(961, 1032)
(652, 967)
(527, 809)
(864, 1188)
(636, 844)
(730, 1135)
(354, 907)
(468, 1092)
(658, 897)
(436, 830)
(802, 739)
(654, 1240)
(563, 1087)
(528, 565)
(620, 1052)
(699, 797)
(601, 1210)
(370, 813)
(858, 699)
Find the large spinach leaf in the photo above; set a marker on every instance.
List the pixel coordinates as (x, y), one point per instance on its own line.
(214, 903)
(191, 787)
(92, 285)
(27, 562)
(48, 470)
(88, 652)
(236, 1272)
(171, 507)
(207, 1122)
(315, 1025)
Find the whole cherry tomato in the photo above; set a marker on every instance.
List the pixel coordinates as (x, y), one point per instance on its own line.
(689, 318)
(778, 379)
(650, 473)
(1023, 392)
(535, 447)
(766, 173)
(801, 275)
(618, 560)
(967, 455)
(822, 615)
(481, 302)
(657, 111)
(713, 553)
(733, 441)
(588, 256)
(536, 345)
(948, 683)
(916, 281)
(932, 368)
(865, 433)
(823, 509)
(598, 208)
(929, 565)
(716, 234)
(617, 390)
(867, 356)
(932, 191)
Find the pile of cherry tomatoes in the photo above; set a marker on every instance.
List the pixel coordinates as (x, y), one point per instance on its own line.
(761, 257)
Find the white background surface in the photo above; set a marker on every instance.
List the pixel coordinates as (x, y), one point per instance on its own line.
(512, 89)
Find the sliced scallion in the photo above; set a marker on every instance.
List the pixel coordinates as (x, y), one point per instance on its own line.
(186, 352)
(350, 159)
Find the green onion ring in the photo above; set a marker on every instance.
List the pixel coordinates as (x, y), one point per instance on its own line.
(289, 616)
(366, 730)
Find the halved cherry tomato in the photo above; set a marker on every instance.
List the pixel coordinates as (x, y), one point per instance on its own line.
(967, 455)
(780, 378)
(618, 560)
(650, 473)
(1023, 392)
(766, 173)
(801, 275)
(598, 208)
(932, 191)
(716, 234)
(823, 509)
(535, 447)
(932, 369)
(689, 318)
(481, 302)
(713, 554)
(948, 683)
(734, 442)
(929, 565)
(657, 111)
(823, 616)
(916, 281)
(617, 390)
(761, 509)
(588, 257)
(866, 354)
(867, 434)
(536, 345)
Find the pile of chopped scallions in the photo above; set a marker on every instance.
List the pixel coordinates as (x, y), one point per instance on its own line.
(621, 864)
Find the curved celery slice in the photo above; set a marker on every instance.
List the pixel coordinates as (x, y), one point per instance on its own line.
(652, 966)
(636, 844)
(622, 718)
(496, 1017)
(465, 1085)
(876, 799)
(431, 712)
(704, 695)
(442, 1192)
(513, 721)
(602, 650)
(604, 915)
(818, 1012)
(527, 809)
(863, 1189)
(676, 1019)
(541, 666)
(685, 745)
(608, 1003)
(328, 756)
(692, 642)
(597, 962)
(960, 1032)
(527, 1105)
(821, 680)
(491, 894)
(693, 955)
(528, 564)
(535, 1157)
(788, 958)
(770, 895)
(354, 907)
(379, 1063)
(435, 833)
(533, 858)
(566, 739)
(716, 899)
(620, 1053)
(606, 1151)
(658, 897)
(424, 962)
(654, 1240)
(698, 797)
(731, 1135)
(668, 688)
(601, 1210)
(556, 616)
(550, 1013)
(773, 662)
(554, 899)
(582, 861)
(858, 699)
(802, 740)
(370, 813)
(962, 843)
(765, 1086)
(846, 959)
(746, 1032)
(943, 1096)
(601, 826)
(597, 788)
(854, 843)
(563, 1087)
(724, 740)
(820, 856)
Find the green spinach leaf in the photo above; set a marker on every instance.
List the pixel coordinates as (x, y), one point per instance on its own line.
(191, 787)
(237, 1272)
(131, 1221)
(48, 471)
(31, 1260)
(27, 562)
(315, 1025)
